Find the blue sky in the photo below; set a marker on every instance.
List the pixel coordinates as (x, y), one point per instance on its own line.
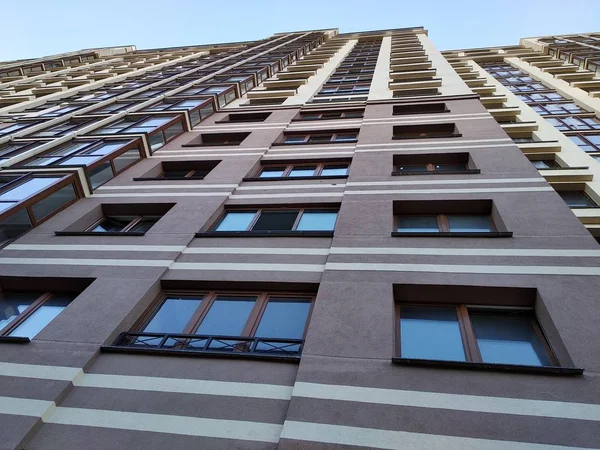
(43, 27)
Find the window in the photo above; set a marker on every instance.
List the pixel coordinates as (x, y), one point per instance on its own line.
(198, 109)
(420, 108)
(27, 200)
(216, 139)
(577, 199)
(180, 170)
(557, 109)
(449, 218)
(415, 92)
(234, 323)
(442, 163)
(301, 171)
(61, 129)
(442, 130)
(589, 143)
(471, 334)
(119, 219)
(341, 136)
(345, 89)
(542, 164)
(246, 117)
(277, 220)
(332, 114)
(25, 314)
(574, 123)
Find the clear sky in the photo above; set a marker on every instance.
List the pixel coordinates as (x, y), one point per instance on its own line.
(36, 28)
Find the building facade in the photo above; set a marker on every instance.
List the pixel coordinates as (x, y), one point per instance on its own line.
(311, 241)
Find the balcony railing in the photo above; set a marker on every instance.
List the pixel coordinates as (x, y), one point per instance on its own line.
(211, 344)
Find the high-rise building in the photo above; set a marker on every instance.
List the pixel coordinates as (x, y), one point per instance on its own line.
(311, 241)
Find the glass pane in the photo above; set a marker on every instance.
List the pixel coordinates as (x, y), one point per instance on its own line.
(43, 316)
(145, 224)
(272, 172)
(54, 202)
(576, 199)
(468, 223)
(80, 160)
(294, 139)
(236, 221)
(317, 221)
(450, 167)
(334, 170)
(410, 169)
(430, 333)
(283, 318)
(275, 221)
(173, 315)
(302, 171)
(157, 140)
(12, 304)
(27, 189)
(112, 224)
(103, 149)
(14, 226)
(508, 340)
(154, 122)
(420, 224)
(173, 131)
(100, 174)
(227, 316)
(126, 159)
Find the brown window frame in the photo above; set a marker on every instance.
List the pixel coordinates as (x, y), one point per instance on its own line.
(126, 229)
(471, 348)
(444, 227)
(319, 166)
(322, 115)
(197, 317)
(29, 311)
(309, 135)
(426, 131)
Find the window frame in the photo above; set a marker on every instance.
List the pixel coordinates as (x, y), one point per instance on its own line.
(290, 166)
(467, 331)
(126, 231)
(444, 227)
(309, 135)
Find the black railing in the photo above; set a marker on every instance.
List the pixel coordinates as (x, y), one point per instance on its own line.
(212, 344)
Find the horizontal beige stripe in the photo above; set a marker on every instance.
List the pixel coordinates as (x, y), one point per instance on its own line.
(272, 186)
(303, 148)
(177, 156)
(439, 119)
(248, 267)
(463, 251)
(165, 186)
(249, 127)
(459, 268)
(329, 154)
(256, 251)
(457, 141)
(446, 182)
(212, 149)
(399, 440)
(425, 117)
(163, 194)
(428, 149)
(26, 407)
(452, 191)
(88, 262)
(162, 423)
(60, 373)
(185, 386)
(297, 194)
(98, 247)
(459, 402)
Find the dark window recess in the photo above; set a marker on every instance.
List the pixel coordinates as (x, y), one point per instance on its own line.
(23, 314)
(429, 164)
(542, 164)
(449, 218)
(420, 108)
(224, 323)
(577, 199)
(246, 117)
(415, 93)
(277, 221)
(180, 170)
(216, 139)
(330, 115)
(331, 137)
(266, 101)
(438, 130)
(303, 170)
(119, 220)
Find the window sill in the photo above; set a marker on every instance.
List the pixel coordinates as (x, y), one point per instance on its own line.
(428, 137)
(565, 168)
(168, 179)
(327, 177)
(230, 144)
(447, 172)
(585, 207)
(280, 144)
(327, 118)
(212, 234)
(14, 340)
(93, 233)
(413, 113)
(198, 354)
(487, 234)
(512, 368)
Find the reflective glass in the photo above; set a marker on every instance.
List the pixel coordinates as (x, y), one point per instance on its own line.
(42, 316)
(27, 189)
(144, 225)
(508, 340)
(236, 221)
(13, 304)
(334, 170)
(100, 174)
(157, 140)
(14, 226)
(275, 221)
(576, 199)
(272, 172)
(126, 159)
(174, 315)
(317, 221)
(302, 171)
(430, 333)
(284, 318)
(419, 224)
(468, 223)
(113, 224)
(227, 316)
(54, 202)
